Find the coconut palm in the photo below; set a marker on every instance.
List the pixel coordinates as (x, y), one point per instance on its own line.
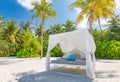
(31, 41)
(105, 9)
(43, 11)
(1, 21)
(38, 32)
(48, 32)
(93, 10)
(1, 26)
(25, 26)
(56, 28)
(10, 36)
(114, 24)
(69, 26)
(27, 37)
(10, 31)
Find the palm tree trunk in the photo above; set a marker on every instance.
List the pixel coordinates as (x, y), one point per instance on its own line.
(90, 22)
(42, 26)
(99, 24)
(36, 24)
(90, 25)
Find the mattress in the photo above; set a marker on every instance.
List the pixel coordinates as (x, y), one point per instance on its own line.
(64, 61)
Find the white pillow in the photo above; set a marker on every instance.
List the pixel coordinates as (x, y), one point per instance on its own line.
(83, 56)
(66, 55)
(77, 56)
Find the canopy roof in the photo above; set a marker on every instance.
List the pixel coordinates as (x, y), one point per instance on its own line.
(78, 39)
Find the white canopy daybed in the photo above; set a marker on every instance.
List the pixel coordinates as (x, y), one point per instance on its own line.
(78, 39)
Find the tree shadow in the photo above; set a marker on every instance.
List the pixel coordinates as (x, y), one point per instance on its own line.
(107, 74)
(11, 60)
(107, 61)
(51, 77)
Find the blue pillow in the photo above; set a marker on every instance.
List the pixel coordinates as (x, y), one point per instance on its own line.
(71, 57)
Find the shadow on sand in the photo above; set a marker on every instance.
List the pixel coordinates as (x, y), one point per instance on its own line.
(8, 62)
(12, 60)
(57, 77)
(51, 77)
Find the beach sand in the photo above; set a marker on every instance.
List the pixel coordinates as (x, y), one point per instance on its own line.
(33, 70)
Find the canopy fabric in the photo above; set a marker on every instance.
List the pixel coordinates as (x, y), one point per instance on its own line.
(78, 39)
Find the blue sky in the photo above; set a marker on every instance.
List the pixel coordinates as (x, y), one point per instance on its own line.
(19, 10)
(14, 9)
(11, 9)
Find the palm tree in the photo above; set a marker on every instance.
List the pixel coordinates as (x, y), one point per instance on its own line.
(25, 26)
(1, 26)
(93, 10)
(69, 26)
(105, 10)
(10, 36)
(28, 38)
(1, 21)
(56, 28)
(43, 11)
(31, 41)
(48, 32)
(114, 24)
(10, 31)
(38, 32)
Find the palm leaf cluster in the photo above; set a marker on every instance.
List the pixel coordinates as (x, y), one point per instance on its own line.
(43, 9)
(57, 28)
(114, 24)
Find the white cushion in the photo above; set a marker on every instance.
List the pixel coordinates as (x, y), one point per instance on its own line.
(77, 56)
(66, 55)
(83, 56)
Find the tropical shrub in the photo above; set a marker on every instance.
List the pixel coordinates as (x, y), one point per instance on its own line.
(30, 41)
(45, 46)
(108, 49)
(98, 35)
(27, 53)
(6, 49)
(56, 52)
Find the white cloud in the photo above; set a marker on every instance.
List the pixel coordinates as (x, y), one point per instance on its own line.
(117, 2)
(28, 3)
(83, 24)
(117, 11)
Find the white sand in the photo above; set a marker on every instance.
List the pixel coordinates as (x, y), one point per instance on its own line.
(33, 70)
